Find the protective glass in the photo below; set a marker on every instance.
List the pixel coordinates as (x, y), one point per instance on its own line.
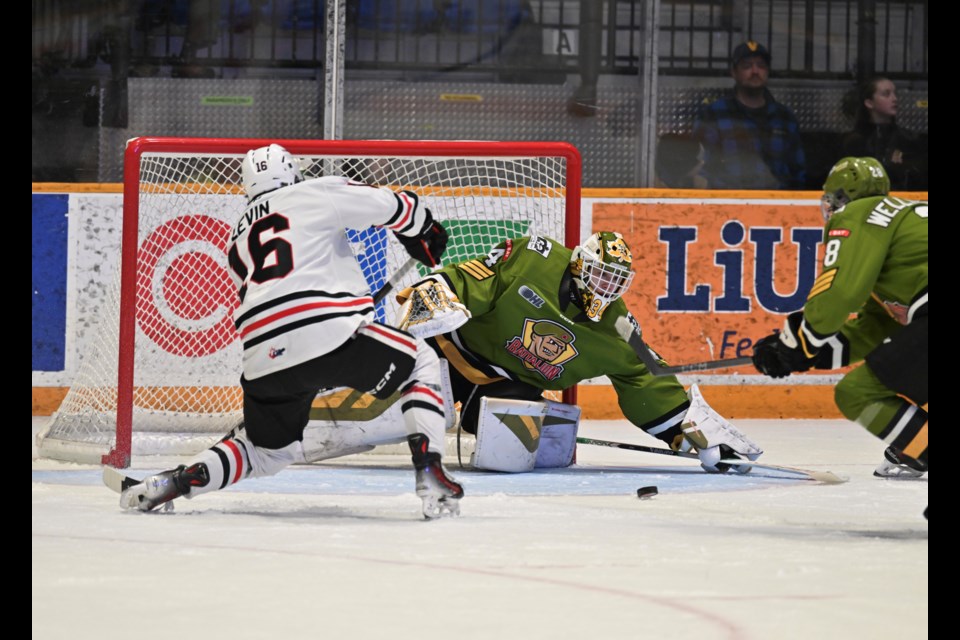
(830, 203)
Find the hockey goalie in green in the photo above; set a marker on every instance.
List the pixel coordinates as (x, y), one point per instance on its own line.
(533, 315)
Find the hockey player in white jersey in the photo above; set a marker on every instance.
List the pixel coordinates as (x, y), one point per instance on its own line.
(306, 320)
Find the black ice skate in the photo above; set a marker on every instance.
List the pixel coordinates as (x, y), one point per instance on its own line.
(162, 488)
(439, 491)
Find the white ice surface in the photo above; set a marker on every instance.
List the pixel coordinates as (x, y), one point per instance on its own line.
(337, 550)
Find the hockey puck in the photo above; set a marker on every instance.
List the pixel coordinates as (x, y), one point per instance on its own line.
(646, 492)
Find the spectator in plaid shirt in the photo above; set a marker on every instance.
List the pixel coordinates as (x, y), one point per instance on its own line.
(749, 140)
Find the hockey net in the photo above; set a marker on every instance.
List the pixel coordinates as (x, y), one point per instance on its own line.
(161, 375)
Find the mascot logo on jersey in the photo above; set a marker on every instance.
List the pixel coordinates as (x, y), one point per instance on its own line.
(543, 346)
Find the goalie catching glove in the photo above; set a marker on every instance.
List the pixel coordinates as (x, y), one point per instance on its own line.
(430, 308)
(712, 437)
(428, 245)
(796, 348)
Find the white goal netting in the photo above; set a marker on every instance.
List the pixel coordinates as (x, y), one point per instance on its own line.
(161, 376)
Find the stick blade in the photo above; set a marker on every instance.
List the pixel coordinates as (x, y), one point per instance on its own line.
(824, 477)
(116, 480)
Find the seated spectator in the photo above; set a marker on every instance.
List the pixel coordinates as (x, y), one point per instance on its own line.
(876, 134)
(749, 140)
(677, 161)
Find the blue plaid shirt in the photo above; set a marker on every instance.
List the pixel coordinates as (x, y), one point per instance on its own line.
(750, 148)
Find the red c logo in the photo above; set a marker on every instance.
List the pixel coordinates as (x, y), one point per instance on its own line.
(185, 297)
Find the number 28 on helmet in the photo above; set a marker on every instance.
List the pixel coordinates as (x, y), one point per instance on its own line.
(851, 179)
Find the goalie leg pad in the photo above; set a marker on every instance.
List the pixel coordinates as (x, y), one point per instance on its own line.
(558, 437)
(344, 421)
(508, 435)
(709, 433)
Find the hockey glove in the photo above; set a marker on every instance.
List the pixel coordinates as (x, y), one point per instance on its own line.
(428, 245)
(430, 308)
(793, 349)
(713, 437)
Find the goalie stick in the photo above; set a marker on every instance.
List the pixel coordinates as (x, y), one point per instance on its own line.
(630, 331)
(826, 477)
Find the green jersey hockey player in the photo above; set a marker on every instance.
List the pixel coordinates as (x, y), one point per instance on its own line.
(874, 266)
(534, 315)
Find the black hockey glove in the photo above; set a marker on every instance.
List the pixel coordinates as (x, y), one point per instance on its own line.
(428, 245)
(783, 352)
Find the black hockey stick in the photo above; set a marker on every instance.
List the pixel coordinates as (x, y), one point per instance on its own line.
(630, 331)
(825, 477)
(394, 280)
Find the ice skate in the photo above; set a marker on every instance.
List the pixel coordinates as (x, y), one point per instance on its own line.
(897, 465)
(162, 488)
(439, 491)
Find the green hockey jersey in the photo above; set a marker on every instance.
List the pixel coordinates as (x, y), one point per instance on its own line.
(874, 265)
(525, 325)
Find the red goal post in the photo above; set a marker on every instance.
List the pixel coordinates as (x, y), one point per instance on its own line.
(161, 375)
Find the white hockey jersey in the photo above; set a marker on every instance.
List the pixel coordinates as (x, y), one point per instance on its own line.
(302, 292)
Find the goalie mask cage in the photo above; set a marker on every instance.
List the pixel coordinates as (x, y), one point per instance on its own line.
(160, 375)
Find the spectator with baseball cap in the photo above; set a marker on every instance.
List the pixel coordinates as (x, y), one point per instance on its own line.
(747, 139)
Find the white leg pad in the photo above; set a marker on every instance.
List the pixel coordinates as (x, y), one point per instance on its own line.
(344, 421)
(558, 437)
(508, 435)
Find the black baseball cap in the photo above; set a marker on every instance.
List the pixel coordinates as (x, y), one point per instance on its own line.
(748, 49)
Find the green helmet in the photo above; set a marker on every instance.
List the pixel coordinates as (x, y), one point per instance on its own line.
(851, 179)
(602, 269)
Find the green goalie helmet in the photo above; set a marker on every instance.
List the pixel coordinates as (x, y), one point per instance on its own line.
(852, 179)
(602, 268)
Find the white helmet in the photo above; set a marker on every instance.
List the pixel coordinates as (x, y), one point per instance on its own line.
(602, 268)
(269, 168)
